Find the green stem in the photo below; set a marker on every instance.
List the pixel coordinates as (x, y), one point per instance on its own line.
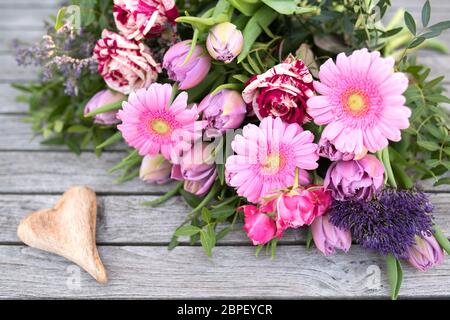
(174, 93)
(388, 168)
(207, 199)
(191, 50)
(165, 197)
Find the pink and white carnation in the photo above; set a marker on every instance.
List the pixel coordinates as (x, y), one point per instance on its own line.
(137, 19)
(267, 156)
(361, 102)
(282, 91)
(152, 125)
(125, 65)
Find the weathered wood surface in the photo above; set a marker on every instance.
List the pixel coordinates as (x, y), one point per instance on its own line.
(122, 219)
(133, 238)
(233, 272)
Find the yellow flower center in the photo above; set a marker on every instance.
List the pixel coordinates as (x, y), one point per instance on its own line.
(355, 102)
(160, 126)
(272, 163)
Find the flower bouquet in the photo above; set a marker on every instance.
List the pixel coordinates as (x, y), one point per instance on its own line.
(301, 114)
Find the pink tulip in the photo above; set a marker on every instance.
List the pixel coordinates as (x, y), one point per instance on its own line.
(356, 179)
(328, 238)
(425, 253)
(189, 73)
(101, 99)
(259, 226)
(224, 110)
(224, 42)
(294, 210)
(197, 168)
(155, 169)
(301, 206)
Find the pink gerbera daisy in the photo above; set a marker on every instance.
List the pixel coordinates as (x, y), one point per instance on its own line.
(361, 102)
(152, 125)
(267, 156)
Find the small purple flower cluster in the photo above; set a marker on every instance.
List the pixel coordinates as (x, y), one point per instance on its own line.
(66, 53)
(388, 223)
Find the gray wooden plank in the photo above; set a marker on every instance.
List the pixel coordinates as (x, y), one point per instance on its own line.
(10, 71)
(16, 134)
(153, 272)
(8, 98)
(25, 19)
(29, 4)
(124, 220)
(45, 172)
(7, 38)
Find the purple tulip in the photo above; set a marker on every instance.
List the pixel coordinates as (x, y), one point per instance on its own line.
(189, 73)
(155, 169)
(426, 253)
(224, 110)
(224, 42)
(197, 168)
(328, 150)
(101, 99)
(328, 237)
(356, 179)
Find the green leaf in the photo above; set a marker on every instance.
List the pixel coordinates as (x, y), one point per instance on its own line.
(426, 13)
(207, 240)
(116, 137)
(395, 275)
(417, 42)
(191, 199)
(442, 181)
(428, 145)
(108, 107)
(232, 86)
(188, 230)
(241, 77)
(58, 126)
(78, 128)
(53, 141)
(173, 243)
(440, 26)
(206, 215)
(246, 8)
(288, 7)
(223, 233)
(410, 23)
(441, 238)
(309, 238)
(223, 213)
(262, 18)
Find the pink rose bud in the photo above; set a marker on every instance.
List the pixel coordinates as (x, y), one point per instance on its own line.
(301, 206)
(155, 169)
(137, 19)
(425, 253)
(259, 226)
(197, 168)
(125, 65)
(224, 42)
(328, 237)
(294, 209)
(356, 179)
(282, 91)
(223, 110)
(101, 99)
(189, 73)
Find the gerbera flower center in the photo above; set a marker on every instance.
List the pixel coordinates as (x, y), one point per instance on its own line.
(355, 102)
(273, 163)
(160, 126)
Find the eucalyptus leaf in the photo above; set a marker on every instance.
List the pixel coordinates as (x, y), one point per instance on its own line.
(410, 23)
(426, 13)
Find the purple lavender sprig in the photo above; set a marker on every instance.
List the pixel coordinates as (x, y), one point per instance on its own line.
(388, 223)
(65, 53)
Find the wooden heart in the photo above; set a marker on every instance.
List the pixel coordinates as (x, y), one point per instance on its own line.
(67, 229)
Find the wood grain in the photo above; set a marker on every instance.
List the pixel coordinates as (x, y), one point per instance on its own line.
(44, 172)
(233, 272)
(123, 219)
